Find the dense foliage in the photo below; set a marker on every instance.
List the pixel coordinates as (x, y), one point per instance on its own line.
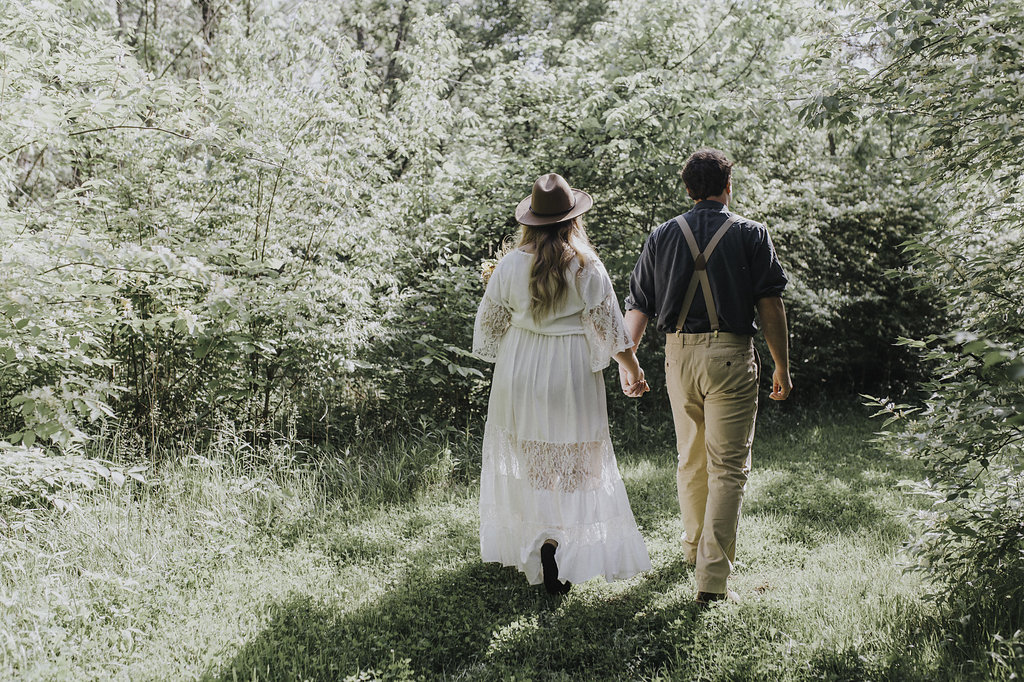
(955, 69)
(274, 217)
(171, 253)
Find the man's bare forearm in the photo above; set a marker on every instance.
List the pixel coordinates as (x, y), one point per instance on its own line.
(776, 332)
(636, 325)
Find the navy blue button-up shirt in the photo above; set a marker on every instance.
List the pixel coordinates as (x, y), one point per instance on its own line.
(742, 269)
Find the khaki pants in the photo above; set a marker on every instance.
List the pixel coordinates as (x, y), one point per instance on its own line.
(712, 385)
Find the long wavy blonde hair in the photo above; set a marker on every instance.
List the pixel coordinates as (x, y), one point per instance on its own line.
(555, 246)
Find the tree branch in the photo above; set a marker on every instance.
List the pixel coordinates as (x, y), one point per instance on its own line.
(705, 41)
(119, 269)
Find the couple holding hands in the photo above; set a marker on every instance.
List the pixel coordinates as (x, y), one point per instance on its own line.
(552, 502)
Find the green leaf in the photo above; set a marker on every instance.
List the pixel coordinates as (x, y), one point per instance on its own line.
(995, 357)
(976, 346)
(203, 346)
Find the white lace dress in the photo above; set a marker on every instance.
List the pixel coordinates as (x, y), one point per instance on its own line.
(548, 466)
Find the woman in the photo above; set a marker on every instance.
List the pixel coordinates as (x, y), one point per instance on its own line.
(549, 483)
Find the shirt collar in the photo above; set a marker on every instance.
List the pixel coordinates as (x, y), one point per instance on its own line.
(707, 204)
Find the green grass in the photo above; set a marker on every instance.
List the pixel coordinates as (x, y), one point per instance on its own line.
(372, 570)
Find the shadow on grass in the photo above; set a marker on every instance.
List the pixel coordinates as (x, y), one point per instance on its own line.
(483, 621)
(435, 621)
(822, 475)
(851, 665)
(818, 473)
(812, 510)
(479, 620)
(951, 645)
(837, 442)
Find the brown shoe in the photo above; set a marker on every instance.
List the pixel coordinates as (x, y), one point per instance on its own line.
(704, 599)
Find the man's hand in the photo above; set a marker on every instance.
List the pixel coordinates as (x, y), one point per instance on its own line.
(781, 385)
(631, 376)
(776, 332)
(632, 386)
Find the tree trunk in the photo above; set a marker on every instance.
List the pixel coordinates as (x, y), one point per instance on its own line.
(206, 15)
(392, 71)
(120, 19)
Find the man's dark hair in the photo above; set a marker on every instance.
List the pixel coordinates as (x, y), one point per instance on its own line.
(706, 174)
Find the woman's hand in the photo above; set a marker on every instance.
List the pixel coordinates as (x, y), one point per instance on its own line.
(632, 382)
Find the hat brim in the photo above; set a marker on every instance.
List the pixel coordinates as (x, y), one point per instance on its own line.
(524, 216)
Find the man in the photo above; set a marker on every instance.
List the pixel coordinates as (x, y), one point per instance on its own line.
(711, 366)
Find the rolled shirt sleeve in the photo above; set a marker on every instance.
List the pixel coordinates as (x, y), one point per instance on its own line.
(768, 278)
(642, 286)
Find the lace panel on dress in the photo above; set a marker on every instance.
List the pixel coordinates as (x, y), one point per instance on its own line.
(492, 321)
(562, 467)
(605, 331)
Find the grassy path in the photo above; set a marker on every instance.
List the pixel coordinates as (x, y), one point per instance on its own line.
(205, 579)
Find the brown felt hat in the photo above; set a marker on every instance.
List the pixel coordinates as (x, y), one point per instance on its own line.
(552, 201)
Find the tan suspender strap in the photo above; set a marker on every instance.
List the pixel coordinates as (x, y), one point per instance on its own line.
(700, 272)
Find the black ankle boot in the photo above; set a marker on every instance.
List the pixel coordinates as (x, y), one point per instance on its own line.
(547, 562)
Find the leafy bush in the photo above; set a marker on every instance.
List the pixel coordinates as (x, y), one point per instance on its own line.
(841, 239)
(32, 481)
(947, 64)
(192, 252)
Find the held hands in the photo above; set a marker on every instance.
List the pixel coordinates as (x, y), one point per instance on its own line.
(633, 385)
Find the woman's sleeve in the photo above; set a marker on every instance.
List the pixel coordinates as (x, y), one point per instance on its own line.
(492, 321)
(602, 320)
